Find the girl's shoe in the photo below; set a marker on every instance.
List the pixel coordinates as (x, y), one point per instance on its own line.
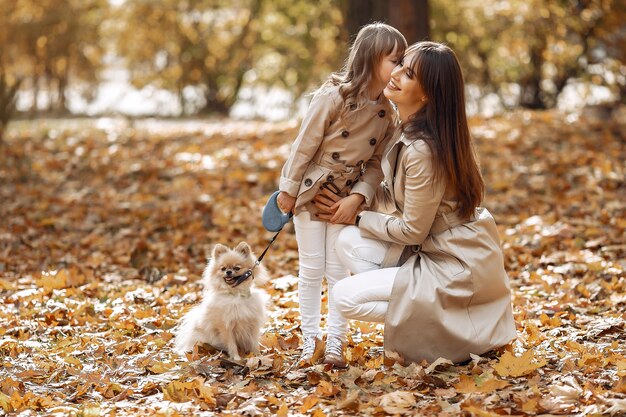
(334, 353)
(312, 348)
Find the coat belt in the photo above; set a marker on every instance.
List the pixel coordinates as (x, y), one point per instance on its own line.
(447, 221)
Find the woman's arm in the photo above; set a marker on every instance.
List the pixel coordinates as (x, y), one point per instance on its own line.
(422, 197)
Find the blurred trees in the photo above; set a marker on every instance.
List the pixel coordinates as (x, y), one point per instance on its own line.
(526, 51)
(214, 46)
(50, 43)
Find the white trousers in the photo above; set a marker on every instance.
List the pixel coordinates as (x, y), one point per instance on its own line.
(318, 259)
(365, 295)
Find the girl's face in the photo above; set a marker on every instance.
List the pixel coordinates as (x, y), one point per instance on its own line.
(386, 66)
(404, 89)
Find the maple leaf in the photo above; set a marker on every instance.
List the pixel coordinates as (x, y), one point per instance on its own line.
(468, 385)
(617, 407)
(283, 411)
(510, 365)
(5, 402)
(476, 410)
(308, 403)
(397, 402)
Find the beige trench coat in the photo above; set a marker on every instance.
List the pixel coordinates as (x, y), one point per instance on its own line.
(451, 297)
(343, 150)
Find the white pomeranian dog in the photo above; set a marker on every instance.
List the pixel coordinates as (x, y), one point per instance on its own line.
(232, 310)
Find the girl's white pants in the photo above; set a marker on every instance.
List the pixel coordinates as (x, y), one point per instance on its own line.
(318, 259)
(365, 295)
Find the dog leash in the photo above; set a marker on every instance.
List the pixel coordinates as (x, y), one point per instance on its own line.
(241, 278)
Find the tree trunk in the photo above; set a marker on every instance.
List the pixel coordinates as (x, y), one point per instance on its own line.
(222, 105)
(214, 104)
(411, 17)
(361, 12)
(8, 94)
(63, 84)
(531, 95)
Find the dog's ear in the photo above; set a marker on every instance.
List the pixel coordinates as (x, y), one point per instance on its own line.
(243, 248)
(218, 250)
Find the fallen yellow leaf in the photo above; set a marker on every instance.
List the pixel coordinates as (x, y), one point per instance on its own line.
(283, 411)
(308, 403)
(515, 366)
(468, 385)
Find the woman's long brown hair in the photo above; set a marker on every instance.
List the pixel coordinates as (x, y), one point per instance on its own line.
(442, 122)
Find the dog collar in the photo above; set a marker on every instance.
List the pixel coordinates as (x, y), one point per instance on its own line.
(241, 278)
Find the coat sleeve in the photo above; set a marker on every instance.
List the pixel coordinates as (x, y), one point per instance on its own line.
(373, 175)
(422, 197)
(323, 108)
(383, 201)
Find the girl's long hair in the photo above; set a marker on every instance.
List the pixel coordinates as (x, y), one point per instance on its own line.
(442, 123)
(373, 42)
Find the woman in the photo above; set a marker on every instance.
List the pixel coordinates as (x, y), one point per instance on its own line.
(428, 263)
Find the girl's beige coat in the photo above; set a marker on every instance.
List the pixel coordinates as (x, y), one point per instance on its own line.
(330, 147)
(451, 296)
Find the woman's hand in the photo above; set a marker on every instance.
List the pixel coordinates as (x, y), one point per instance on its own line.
(346, 209)
(285, 202)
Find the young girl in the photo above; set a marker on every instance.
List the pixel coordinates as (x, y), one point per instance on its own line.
(339, 147)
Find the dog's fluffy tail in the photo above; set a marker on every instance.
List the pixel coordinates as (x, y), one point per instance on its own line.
(185, 335)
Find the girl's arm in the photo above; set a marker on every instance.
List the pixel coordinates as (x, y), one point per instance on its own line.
(422, 197)
(323, 108)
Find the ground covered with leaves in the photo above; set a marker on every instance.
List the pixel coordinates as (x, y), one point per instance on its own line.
(105, 226)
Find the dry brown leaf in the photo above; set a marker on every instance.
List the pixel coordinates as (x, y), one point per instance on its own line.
(398, 402)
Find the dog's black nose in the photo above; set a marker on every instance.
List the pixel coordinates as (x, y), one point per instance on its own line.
(229, 272)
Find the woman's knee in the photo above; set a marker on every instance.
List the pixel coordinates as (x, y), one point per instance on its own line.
(343, 297)
(344, 245)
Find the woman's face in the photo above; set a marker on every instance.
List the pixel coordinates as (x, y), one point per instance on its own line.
(404, 89)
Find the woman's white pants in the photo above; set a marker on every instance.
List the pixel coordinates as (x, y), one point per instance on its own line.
(365, 295)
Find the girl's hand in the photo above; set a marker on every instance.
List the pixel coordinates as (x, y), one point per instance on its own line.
(346, 209)
(324, 201)
(285, 202)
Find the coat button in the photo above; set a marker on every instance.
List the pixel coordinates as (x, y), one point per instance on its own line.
(330, 178)
(381, 113)
(345, 133)
(308, 182)
(335, 156)
(373, 141)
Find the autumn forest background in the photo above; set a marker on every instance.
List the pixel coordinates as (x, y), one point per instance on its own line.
(136, 134)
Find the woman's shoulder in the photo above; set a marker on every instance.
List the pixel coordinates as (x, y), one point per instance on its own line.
(417, 143)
